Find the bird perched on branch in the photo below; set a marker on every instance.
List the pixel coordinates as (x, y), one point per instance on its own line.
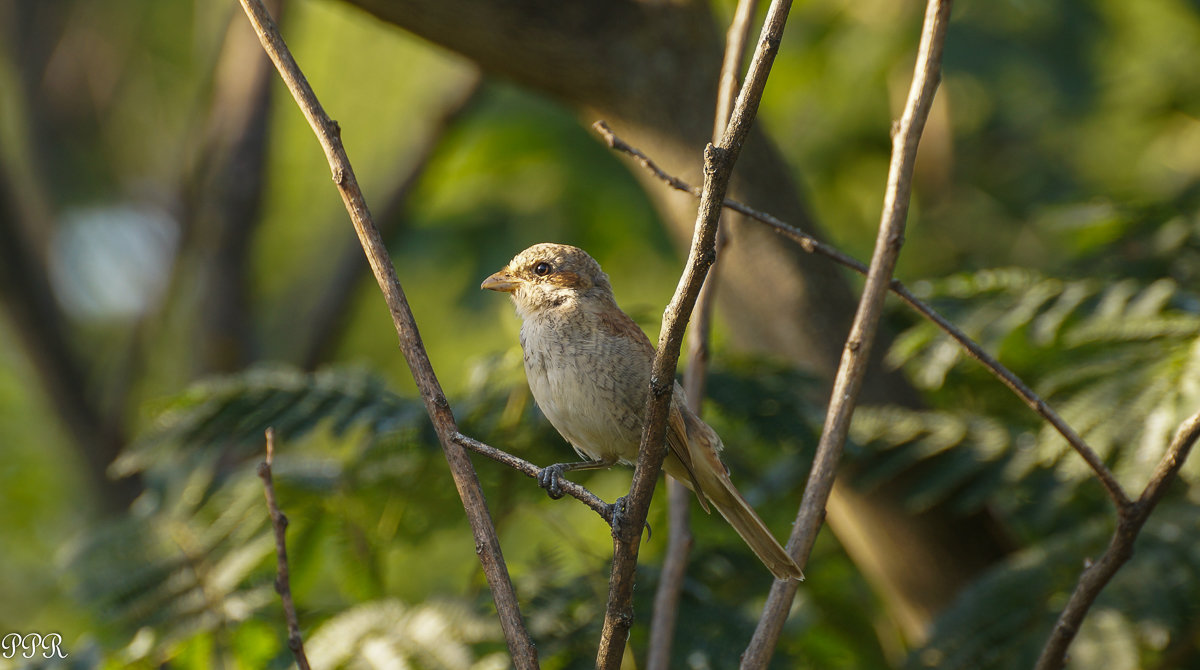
(589, 364)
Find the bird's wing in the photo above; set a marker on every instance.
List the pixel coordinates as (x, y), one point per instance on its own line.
(618, 324)
(677, 440)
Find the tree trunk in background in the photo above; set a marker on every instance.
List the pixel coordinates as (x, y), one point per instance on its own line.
(219, 208)
(223, 199)
(41, 327)
(29, 33)
(651, 71)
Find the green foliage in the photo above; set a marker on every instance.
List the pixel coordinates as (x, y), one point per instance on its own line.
(1117, 360)
(433, 635)
(229, 416)
(1065, 140)
(187, 576)
(195, 557)
(1146, 612)
(177, 573)
(963, 454)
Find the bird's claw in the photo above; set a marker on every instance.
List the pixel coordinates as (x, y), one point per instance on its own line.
(550, 478)
(617, 514)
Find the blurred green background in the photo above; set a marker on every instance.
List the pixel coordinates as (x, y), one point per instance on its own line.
(179, 273)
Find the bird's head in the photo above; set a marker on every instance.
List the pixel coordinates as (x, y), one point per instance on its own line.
(549, 276)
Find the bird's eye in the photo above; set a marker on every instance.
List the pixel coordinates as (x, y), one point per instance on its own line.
(541, 269)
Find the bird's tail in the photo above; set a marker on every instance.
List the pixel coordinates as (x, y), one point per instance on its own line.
(707, 472)
(693, 440)
(730, 503)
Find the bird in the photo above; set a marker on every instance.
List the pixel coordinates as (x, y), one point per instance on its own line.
(588, 365)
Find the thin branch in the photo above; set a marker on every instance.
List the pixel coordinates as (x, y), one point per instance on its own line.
(679, 499)
(700, 334)
(618, 615)
(615, 142)
(520, 646)
(814, 246)
(283, 584)
(1131, 515)
(852, 369)
(670, 577)
(1130, 521)
(731, 65)
(593, 501)
(1035, 402)
(718, 167)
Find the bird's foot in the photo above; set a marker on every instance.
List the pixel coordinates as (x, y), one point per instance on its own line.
(550, 478)
(617, 512)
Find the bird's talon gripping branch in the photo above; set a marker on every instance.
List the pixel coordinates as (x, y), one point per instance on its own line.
(617, 508)
(550, 478)
(617, 512)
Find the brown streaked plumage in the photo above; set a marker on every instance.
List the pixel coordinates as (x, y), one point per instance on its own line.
(588, 365)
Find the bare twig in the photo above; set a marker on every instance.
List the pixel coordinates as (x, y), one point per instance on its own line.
(718, 167)
(520, 646)
(906, 136)
(283, 584)
(1130, 520)
(618, 615)
(679, 499)
(812, 245)
(670, 578)
(731, 65)
(594, 502)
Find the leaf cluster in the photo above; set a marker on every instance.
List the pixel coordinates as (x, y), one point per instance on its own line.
(1118, 360)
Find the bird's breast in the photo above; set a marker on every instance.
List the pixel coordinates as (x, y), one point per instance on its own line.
(587, 384)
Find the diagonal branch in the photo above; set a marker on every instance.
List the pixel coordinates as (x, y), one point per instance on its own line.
(530, 470)
(679, 499)
(520, 646)
(1131, 514)
(1130, 520)
(814, 246)
(718, 167)
(855, 355)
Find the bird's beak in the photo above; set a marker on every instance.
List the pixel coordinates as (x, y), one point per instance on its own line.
(502, 281)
